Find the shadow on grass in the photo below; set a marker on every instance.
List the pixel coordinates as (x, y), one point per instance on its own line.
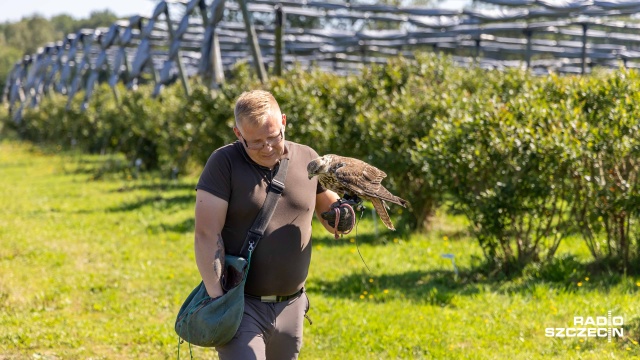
(455, 235)
(368, 238)
(435, 287)
(159, 202)
(168, 185)
(438, 287)
(184, 227)
(97, 168)
(632, 329)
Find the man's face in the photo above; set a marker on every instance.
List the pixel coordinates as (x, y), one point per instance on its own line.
(264, 144)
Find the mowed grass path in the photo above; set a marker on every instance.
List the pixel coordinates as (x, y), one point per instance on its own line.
(96, 267)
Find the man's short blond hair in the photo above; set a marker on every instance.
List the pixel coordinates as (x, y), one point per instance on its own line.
(254, 108)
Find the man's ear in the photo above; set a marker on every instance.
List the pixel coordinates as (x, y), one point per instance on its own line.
(284, 120)
(237, 132)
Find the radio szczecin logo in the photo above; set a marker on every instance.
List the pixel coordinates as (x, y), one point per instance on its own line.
(590, 327)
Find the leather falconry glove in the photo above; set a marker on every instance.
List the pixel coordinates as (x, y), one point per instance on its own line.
(344, 213)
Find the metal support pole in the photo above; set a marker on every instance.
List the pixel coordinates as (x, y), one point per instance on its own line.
(363, 50)
(280, 20)
(212, 71)
(172, 37)
(218, 71)
(528, 33)
(584, 48)
(252, 38)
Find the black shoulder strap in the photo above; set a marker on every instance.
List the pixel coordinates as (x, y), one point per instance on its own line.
(264, 216)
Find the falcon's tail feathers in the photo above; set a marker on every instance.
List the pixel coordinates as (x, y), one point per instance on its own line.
(398, 201)
(385, 195)
(382, 213)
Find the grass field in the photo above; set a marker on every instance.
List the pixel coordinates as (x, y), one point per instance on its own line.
(94, 264)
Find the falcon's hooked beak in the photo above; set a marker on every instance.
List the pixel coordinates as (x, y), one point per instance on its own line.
(317, 166)
(312, 168)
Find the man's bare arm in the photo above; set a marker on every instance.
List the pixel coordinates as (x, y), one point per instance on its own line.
(324, 200)
(211, 212)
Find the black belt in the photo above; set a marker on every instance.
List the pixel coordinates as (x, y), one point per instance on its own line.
(275, 298)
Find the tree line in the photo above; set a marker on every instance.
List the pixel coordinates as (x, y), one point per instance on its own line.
(27, 35)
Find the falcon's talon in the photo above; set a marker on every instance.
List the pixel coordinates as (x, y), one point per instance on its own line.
(352, 200)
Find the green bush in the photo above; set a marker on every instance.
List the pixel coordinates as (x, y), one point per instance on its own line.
(606, 127)
(502, 161)
(529, 160)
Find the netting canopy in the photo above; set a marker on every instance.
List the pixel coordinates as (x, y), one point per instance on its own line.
(181, 39)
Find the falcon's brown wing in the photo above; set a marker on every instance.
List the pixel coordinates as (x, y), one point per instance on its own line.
(369, 172)
(363, 179)
(349, 180)
(374, 192)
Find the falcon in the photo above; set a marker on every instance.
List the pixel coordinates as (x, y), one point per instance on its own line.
(355, 179)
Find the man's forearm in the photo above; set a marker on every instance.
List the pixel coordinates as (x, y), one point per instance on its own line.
(210, 261)
(323, 203)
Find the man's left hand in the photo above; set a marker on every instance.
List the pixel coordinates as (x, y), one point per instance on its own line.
(343, 211)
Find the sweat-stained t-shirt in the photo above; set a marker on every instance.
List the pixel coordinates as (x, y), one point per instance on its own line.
(280, 263)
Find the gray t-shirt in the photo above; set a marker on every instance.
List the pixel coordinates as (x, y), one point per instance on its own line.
(280, 263)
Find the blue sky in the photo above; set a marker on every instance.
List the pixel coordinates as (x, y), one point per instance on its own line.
(13, 10)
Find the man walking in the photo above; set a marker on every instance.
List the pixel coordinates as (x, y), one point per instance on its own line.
(230, 192)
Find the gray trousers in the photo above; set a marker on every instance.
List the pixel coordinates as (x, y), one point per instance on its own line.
(268, 331)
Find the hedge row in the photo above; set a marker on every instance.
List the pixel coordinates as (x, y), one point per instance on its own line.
(529, 160)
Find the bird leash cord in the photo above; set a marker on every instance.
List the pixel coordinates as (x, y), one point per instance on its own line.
(350, 205)
(356, 240)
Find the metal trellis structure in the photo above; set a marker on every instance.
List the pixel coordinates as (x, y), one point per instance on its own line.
(204, 38)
